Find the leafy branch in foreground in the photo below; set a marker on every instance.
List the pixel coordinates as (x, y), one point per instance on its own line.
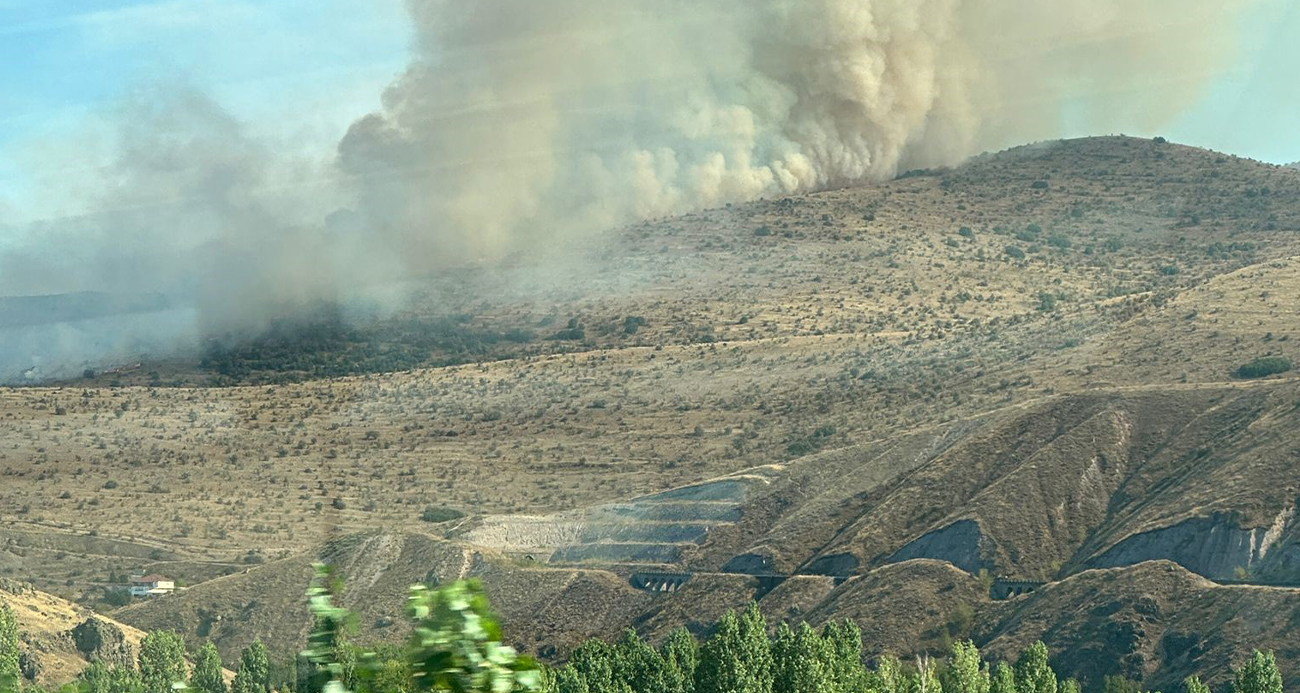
(455, 644)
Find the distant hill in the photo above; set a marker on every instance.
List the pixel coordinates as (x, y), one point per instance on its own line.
(17, 311)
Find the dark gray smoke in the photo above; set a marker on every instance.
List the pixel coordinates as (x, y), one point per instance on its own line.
(522, 125)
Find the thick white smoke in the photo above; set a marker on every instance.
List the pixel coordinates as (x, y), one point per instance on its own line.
(519, 120)
(521, 125)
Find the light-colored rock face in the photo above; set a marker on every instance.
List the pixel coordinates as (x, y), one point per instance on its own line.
(1217, 547)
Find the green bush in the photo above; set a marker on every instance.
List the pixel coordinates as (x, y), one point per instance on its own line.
(1263, 367)
(1015, 252)
(435, 514)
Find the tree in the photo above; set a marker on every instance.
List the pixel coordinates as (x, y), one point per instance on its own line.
(100, 678)
(639, 667)
(923, 679)
(966, 673)
(845, 640)
(1072, 686)
(738, 658)
(593, 660)
(802, 661)
(888, 676)
(206, 677)
(9, 667)
(254, 675)
(1003, 680)
(1192, 684)
(566, 679)
(1258, 675)
(161, 661)
(1033, 672)
(682, 654)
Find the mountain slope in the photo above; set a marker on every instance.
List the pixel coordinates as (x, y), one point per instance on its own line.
(846, 403)
(59, 639)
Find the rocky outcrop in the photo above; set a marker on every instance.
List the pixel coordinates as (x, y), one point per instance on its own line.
(960, 543)
(1215, 547)
(99, 641)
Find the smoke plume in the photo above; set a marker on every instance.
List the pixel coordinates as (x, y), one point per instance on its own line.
(526, 125)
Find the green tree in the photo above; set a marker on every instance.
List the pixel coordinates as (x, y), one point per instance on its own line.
(1003, 680)
(101, 678)
(1192, 684)
(1071, 686)
(640, 667)
(9, 667)
(888, 676)
(923, 679)
(254, 675)
(1120, 684)
(161, 661)
(593, 660)
(966, 673)
(1033, 672)
(682, 654)
(802, 661)
(1258, 675)
(566, 679)
(738, 658)
(845, 640)
(206, 677)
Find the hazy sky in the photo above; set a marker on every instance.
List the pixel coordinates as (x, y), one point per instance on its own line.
(299, 71)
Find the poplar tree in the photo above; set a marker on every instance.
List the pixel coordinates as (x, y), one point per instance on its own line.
(1033, 672)
(1003, 680)
(682, 655)
(966, 673)
(206, 677)
(805, 665)
(1258, 675)
(162, 661)
(888, 676)
(845, 640)
(254, 675)
(101, 678)
(10, 670)
(1192, 684)
(738, 658)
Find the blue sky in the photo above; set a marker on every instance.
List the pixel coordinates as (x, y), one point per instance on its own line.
(299, 71)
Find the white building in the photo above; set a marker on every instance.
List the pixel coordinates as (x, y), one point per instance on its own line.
(151, 585)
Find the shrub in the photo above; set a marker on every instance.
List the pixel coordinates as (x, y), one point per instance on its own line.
(1015, 252)
(435, 514)
(1040, 185)
(632, 323)
(1263, 367)
(763, 231)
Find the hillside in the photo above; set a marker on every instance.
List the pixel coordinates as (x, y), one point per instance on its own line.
(1026, 365)
(59, 638)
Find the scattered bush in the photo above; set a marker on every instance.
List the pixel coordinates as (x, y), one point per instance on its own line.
(1263, 367)
(434, 514)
